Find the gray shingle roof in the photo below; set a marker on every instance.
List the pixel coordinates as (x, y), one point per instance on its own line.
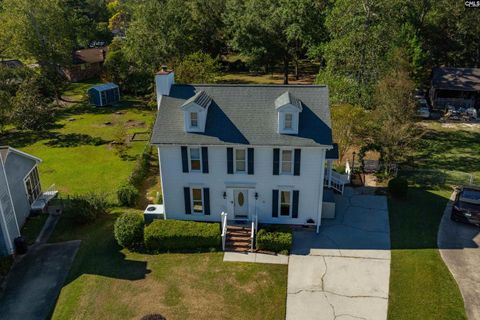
(464, 79)
(244, 114)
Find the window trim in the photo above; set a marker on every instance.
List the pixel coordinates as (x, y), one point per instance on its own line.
(192, 201)
(191, 120)
(199, 159)
(291, 162)
(235, 161)
(291, 128)
(290, 205)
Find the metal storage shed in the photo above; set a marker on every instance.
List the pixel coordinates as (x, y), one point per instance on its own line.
(104, 94)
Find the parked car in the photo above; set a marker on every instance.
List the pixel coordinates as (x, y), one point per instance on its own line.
(467, 206)
(423, 109)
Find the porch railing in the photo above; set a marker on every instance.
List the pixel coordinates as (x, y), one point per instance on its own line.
(253, 232)
(337, 182)
(224, 229)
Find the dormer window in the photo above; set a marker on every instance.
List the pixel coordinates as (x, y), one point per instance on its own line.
(288, 108)
(288, 124)
(195, 112)
(193, 119)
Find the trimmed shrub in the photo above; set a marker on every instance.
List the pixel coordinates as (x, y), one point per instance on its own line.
(128, 229)
(127, 195)
(176, 235)
(87, 208)
(398, 187)
(275, 238)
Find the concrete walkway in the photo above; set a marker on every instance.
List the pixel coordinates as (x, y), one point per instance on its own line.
(343, 272)
(255, 257)
(459, 246)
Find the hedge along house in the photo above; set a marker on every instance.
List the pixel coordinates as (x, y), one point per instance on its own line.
(20, 189)
(106, 94)
(254, 152)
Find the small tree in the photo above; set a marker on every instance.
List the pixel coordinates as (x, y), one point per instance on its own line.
(5, 109)
(197, 67)
(349, 125)
(31, 111)
(396, 132)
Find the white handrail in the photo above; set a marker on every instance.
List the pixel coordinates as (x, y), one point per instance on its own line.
(224, 229)
(252, 236)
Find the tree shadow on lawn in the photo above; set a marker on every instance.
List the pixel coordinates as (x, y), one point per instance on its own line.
(99, 254)
(415, 220)
(447, 146)
(21, 139)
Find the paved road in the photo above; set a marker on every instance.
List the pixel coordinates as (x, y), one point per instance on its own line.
(35, 281)
(460, 249)
(343, 273)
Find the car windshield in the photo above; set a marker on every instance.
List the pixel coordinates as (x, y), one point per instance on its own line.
(470, 196)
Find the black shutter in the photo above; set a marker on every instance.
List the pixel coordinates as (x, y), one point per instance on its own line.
(230, 160)
(204, 159)
(276, 161)
(275, 203)
(250, 160)
(296, 162)
(295, 204)
(184, 159)
(186, 196)
(206, 201)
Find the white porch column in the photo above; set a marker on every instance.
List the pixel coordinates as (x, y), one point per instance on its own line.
(329, 170)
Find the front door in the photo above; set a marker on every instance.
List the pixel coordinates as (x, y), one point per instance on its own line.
(240, 203)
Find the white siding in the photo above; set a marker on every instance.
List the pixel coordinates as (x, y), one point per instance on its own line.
(263, 182)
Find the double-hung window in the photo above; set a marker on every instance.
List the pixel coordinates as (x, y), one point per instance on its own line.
(240, 160)
(288, 124)
(286, 162)
(32, 185)
(197, 200)
(285, 203)
(195, 159)
(194, 119)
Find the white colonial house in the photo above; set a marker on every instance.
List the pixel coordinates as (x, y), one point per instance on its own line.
(254, 152)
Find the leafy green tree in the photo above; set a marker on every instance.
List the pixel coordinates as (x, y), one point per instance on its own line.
(273, 31)
(162, 31)
(360, 38)
(40, 31)
(197, 67)
(31, 111)
(5, 109)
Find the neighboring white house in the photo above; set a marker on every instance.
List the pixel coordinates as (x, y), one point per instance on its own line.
(20, 192)
(251, 151)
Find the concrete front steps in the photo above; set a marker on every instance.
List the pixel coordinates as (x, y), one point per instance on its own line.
(238, 239)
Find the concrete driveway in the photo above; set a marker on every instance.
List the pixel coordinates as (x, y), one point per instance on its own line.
(33, 284)
(459, 246)
(343, 272)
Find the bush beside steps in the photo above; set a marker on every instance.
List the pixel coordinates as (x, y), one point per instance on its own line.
(177, 235)
(276, 239)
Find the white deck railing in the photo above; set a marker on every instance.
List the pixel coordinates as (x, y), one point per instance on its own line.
(253, 232)
(337, 182)
(224, 229)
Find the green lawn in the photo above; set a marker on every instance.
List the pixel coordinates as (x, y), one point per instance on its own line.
(77, 154)
(421, 286)
(107, 282)
(32, 227)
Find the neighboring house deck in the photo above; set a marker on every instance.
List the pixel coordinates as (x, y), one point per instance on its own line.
(20, 188)
(259, 153)
(458, 87)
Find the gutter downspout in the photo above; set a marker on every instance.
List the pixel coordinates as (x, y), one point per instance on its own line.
(320, 196)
